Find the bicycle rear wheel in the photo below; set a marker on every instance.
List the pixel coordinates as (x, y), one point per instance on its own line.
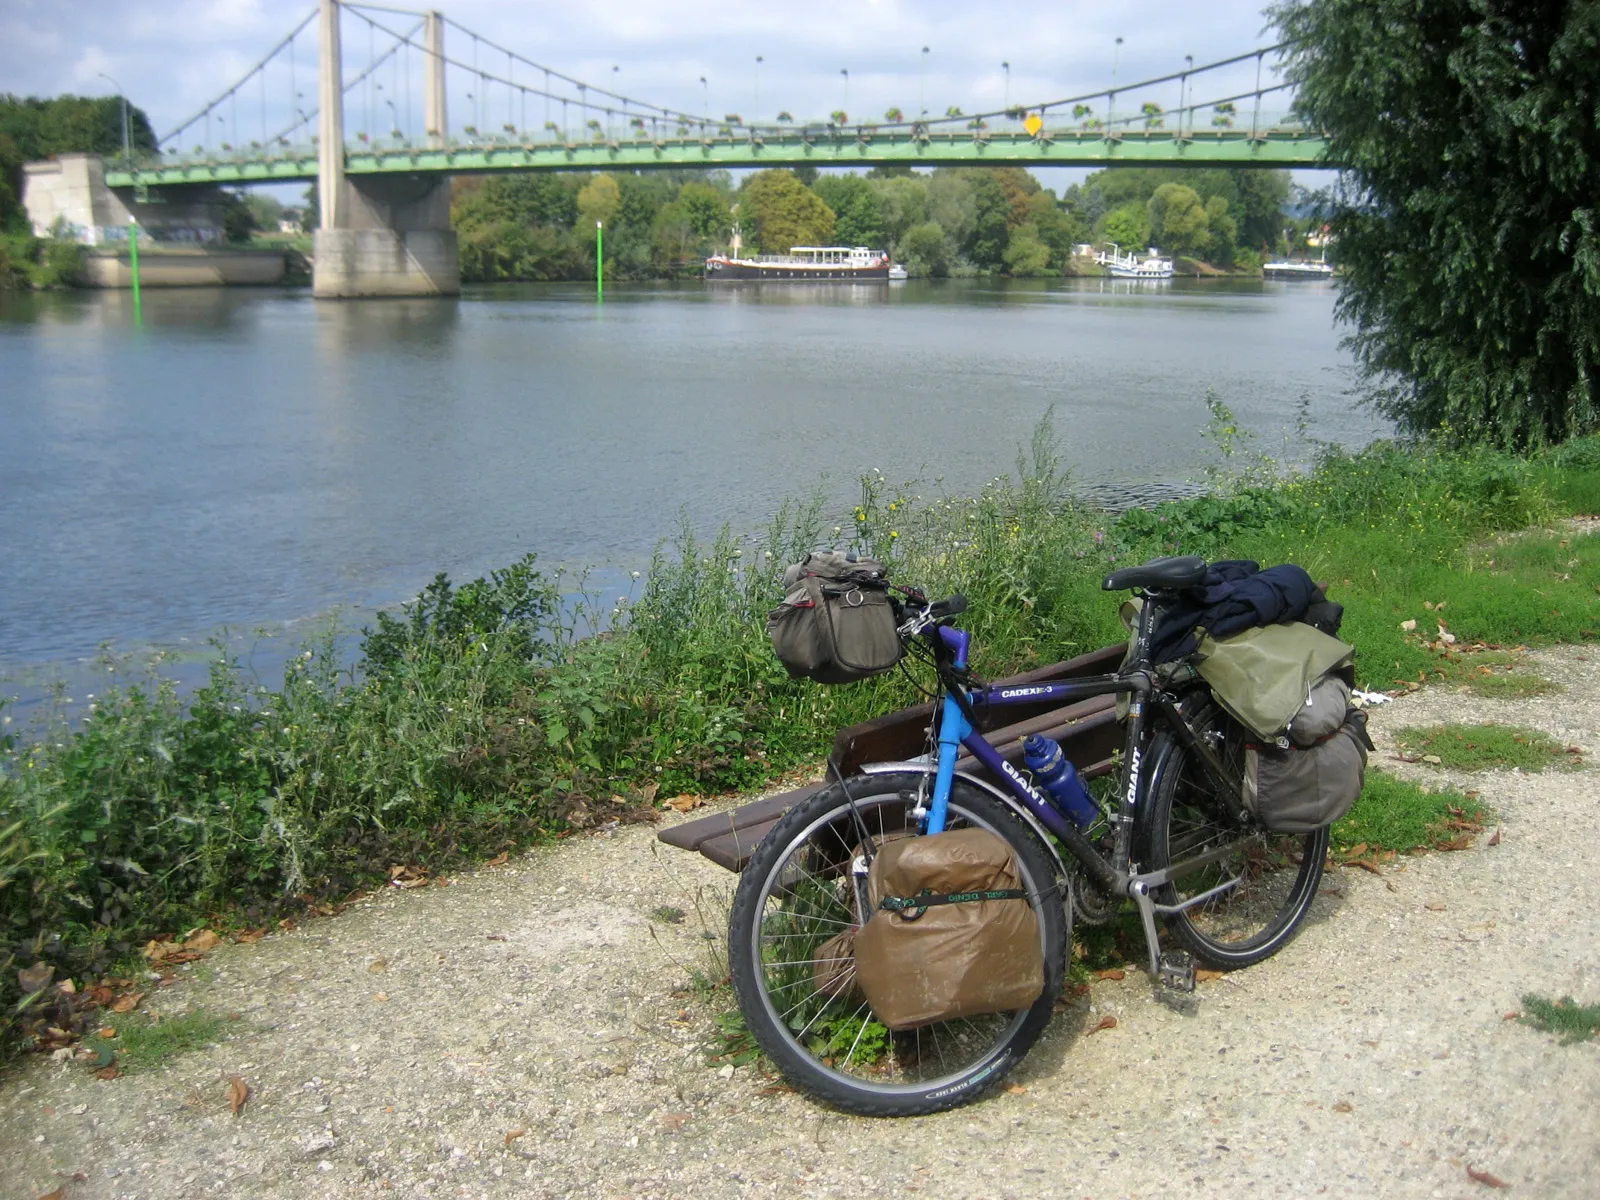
(796, 895)
(1277, 874)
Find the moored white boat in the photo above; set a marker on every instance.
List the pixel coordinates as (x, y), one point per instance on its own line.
(1131, 266)
(1297, 270)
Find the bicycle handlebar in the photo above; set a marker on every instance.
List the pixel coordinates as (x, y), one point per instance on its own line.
(952, 607)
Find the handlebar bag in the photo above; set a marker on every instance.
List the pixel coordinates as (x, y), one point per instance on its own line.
(837, 622)
(970, 947)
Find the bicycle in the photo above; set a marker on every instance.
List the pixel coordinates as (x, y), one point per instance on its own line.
(1174, 837)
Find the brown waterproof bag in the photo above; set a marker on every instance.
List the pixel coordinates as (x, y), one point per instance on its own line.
(950, 959)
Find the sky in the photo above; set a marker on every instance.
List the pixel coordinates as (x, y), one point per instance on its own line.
(174, 56)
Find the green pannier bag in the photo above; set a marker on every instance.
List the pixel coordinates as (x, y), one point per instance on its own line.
(1289, 686)
(837, 623)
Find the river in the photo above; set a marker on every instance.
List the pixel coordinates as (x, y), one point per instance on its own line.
(256, 459)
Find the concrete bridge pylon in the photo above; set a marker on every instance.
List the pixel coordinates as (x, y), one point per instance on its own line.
(388, 235)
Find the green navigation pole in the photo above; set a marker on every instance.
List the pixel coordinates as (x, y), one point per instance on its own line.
(133, 264)
(599, 262)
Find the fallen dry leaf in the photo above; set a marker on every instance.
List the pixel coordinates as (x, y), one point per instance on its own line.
(249, 937)
(377, 966)
(1206, 975)
(1510, 1016)
(110, 1072)
(674, 1120)
(1015, 1089)
(514, 1134)
(1365, 864)
(1494, 839)
(495, 937)
(1434, 906)
(1111, 973)
(108, 1032)
(287, 924)
(1464, 842)
(238, 1093)
(55, 1195)
(648, 792)
(156, 951)
(1343, 1106)
(1434, 759)
(381, 997)
(1105, 1023)
(1486, 1179)
(499, 860)
(202, 942)
(1408, 626)
(685, 802)
(125, 1004)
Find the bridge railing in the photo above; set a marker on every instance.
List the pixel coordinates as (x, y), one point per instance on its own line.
(1111, 126)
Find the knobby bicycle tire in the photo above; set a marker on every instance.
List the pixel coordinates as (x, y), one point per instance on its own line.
(796, 888)
(1184, 814)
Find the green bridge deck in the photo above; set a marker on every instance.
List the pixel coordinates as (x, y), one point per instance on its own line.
(1275, 147)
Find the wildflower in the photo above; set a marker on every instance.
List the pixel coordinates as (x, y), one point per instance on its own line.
(893, 533)
(1099, 537)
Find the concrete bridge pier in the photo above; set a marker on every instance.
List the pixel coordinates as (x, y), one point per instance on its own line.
(394, 239)
(388, 235)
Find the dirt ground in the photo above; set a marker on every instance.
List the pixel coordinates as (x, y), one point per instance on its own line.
(527, 1032)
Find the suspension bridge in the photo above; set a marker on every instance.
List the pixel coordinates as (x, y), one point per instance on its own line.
(384, 196)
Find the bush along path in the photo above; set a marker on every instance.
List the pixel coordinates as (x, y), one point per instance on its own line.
(546, 1025)
(477, 721)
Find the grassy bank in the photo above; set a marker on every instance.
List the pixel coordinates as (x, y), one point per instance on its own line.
(477, 720)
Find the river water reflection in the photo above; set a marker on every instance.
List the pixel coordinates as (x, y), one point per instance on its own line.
(256, 457)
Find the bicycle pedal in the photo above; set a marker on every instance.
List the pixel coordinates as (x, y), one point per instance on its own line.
(1177, 970)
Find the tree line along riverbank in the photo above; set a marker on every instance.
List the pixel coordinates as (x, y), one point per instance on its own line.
(477, 720)
(948, 222)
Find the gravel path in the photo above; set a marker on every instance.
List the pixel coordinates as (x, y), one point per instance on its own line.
(519, 1034)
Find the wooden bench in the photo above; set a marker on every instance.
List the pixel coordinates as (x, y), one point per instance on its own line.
(1088, 733)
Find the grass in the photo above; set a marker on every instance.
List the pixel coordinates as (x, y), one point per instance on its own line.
(143, 1043)
(480, 719)
(1487, 746)
(1495, 674)
(1395, 816)
(1574, 1022)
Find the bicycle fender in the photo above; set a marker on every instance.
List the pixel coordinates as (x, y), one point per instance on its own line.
(1004, 797)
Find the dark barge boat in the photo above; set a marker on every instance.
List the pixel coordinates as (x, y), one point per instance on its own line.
(803, 264)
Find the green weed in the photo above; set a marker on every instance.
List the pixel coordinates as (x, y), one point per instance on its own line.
(1574, 1022)
(1484, 747)
(1491, 673)
(143, 1043)
(1396, 816)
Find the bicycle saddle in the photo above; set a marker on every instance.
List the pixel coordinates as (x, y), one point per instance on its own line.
(1158, 573)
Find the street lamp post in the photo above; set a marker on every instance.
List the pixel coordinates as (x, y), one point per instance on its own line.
(705, 103)
(756, 111)
(922, 85)
(1183, 94)
(1006, 67)
(1111, 102)
(846, 75)
(127, 153)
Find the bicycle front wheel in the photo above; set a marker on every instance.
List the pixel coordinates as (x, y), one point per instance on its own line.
(796, 896)
(1274, 876)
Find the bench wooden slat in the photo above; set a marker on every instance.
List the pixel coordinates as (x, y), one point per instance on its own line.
(690, 834)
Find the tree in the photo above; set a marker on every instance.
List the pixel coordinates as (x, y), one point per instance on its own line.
(1178, 222)
(926, 250)
(902, 204)
(1223, 230)
(1026, 255)
(238, 221)
(858, 220)
(785, 212)
(266, 210)
(706, 209)
(1467, 233)
(599, 201)
(1128, 226)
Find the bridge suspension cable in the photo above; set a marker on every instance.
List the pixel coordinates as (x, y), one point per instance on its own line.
(205, 113)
